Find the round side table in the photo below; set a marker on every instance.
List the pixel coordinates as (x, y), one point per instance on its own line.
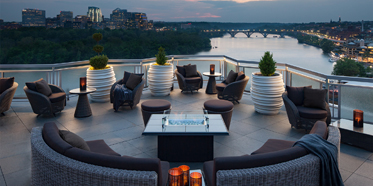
(211, 85)
(83, 108)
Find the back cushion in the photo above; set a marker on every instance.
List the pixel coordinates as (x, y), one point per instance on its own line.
(53, 139)
(6, 83)
(43, 87)
(181, 70)
(133, 81)
(240, 76)
(231, 77)
(127, 75)
(74, 140)
(191, 71)
(296, 94)
(32, 85)
(314, 98)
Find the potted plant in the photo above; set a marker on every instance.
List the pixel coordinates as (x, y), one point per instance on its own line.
(267, 86)
(100, 75)
(160, 75)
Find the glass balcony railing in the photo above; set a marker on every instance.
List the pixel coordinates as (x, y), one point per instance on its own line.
(343, 98)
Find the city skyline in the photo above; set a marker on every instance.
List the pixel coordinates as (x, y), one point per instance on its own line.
(283, 11)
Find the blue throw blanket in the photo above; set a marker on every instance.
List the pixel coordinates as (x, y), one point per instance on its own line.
(327, 152)
(121, 94)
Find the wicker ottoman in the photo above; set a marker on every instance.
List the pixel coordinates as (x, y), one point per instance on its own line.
(223, 107)
(155, 106)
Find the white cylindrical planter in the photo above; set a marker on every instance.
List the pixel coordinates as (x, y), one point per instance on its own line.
(266, 92)
(102, 80)
(160, 79)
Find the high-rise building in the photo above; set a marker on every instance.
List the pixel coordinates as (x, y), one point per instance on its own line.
(33, 17)
(120, 15)
(140, 19)
(51, 22)
(339, 19)
(66, 16)
(82, 19)
(95, 14)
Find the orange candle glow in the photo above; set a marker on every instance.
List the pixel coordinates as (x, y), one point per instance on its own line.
(358, 118)
(195, 179)
(212, 69)
(175, 177)
(83, 83)
(185, 169)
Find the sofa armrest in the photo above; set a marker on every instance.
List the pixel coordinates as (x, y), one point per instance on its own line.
(291, 110)
(200, 76)
(55, 88)
(39, 102)
(180, 79)
(329, 117)
(137, 92)
(236, 89)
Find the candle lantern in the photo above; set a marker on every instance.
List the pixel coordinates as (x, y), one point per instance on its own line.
(195, 179)
(185, 169)
(175, 177)
(358, 118)
(83, 83)
(212, 69)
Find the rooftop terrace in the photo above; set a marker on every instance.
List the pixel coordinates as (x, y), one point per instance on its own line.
(122, 130)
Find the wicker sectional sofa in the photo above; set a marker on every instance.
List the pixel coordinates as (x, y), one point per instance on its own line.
(287, 166)
(55, 162)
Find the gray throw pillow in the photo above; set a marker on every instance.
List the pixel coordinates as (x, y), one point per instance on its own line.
(43, 87)
(240, 76)
(314, 98)
(74, 140)
(127, 75)
(191, 71)
(296, 94)
(231, 77)
(6, 83)
(133, 81)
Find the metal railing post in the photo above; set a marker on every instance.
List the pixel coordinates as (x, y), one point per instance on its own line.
(339, 101)
(327, 88)
(2, 74)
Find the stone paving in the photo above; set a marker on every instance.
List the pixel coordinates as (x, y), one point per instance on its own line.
(122, 131)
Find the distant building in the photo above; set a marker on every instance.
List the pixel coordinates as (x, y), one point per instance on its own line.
(1, 21)
(95, 14)
(65, 16)
(77, 25)
(339, 19)
(51, 22)
(33, 17)
(140, 20)
(68, 24)
(120, 15)
(10, 25)
(186, 26)
(82, 19)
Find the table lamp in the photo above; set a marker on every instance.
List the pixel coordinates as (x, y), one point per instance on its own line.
(358, 118)
(212, 69)
(83, 83)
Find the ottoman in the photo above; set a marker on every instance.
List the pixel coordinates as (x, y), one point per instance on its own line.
(155, 106)
(223, 107)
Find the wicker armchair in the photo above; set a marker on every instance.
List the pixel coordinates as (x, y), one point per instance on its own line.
(42, 104)
(189, 83)
(299, 122)
(136, 93)
(232, 91)
(6, 98)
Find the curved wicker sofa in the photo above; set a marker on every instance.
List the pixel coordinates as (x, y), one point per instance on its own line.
(304, 170)
(52, 168)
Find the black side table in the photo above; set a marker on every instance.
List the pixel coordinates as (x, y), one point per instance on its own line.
(83, 108)
(211, 85)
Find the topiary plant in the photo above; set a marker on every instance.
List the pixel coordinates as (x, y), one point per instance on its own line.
(98, 62)
(267, 65)
(161, 57)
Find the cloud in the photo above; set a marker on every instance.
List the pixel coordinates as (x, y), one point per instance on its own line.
(236, 1)
(198, 15)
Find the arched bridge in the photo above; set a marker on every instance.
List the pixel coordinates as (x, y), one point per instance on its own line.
(249, 32)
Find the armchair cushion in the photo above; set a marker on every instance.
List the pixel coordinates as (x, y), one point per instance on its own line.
(99, 146)
(133, 81)
(209, 172)
(312, 113)
(181, 70)
(6, 83)
(296, 94)
(43, 87)
(218, 105)
(191, 80)
(221, 86)
(53, 139)
(57, 97)
(32, 85)
(74, 140)
(231, 77)
(127, 75)
(273, 145)
(191, 71)
(314, 98)
(240, 76)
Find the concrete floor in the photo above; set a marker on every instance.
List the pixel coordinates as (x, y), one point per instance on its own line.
(122, 131)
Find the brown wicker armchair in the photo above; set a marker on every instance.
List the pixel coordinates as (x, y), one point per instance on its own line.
(6, 98)
(42, 104)
(189, 83)
(232, 91)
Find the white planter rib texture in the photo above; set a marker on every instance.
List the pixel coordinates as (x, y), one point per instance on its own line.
(102, 80)
(266, 92)
(160, 79)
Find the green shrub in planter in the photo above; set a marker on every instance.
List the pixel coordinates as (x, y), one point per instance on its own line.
(161, 57)
(98, 62)
(98, 49)
(267, 65)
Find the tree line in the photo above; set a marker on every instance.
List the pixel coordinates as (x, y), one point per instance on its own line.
(325, 44)
(46, 46)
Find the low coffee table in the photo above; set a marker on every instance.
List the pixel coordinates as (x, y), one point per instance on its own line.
(211, 85)
(181, 140)
(83, 108)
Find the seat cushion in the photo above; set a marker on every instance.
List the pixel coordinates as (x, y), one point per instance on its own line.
(231, 77)
(57, 97)
(155, 105)
(191, 80)
(221, 86)
(133, 81)
(273, 145)
(43, 87)
(32, 85)
(165, 166)
(6, 83)
(74, 140)
(181, 70)
(312, 113)
(218, 105)
(209, 172)
(191, 71)
(240, 76)
(314, 98)
(53, 139)
(320, 128)
(127, 75)
(99, 146)
(296, 94)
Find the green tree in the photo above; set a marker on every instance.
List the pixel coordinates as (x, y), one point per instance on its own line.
(161, 56)
(366, 55)
(327, 45)
(267, 65)
(348, 67)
